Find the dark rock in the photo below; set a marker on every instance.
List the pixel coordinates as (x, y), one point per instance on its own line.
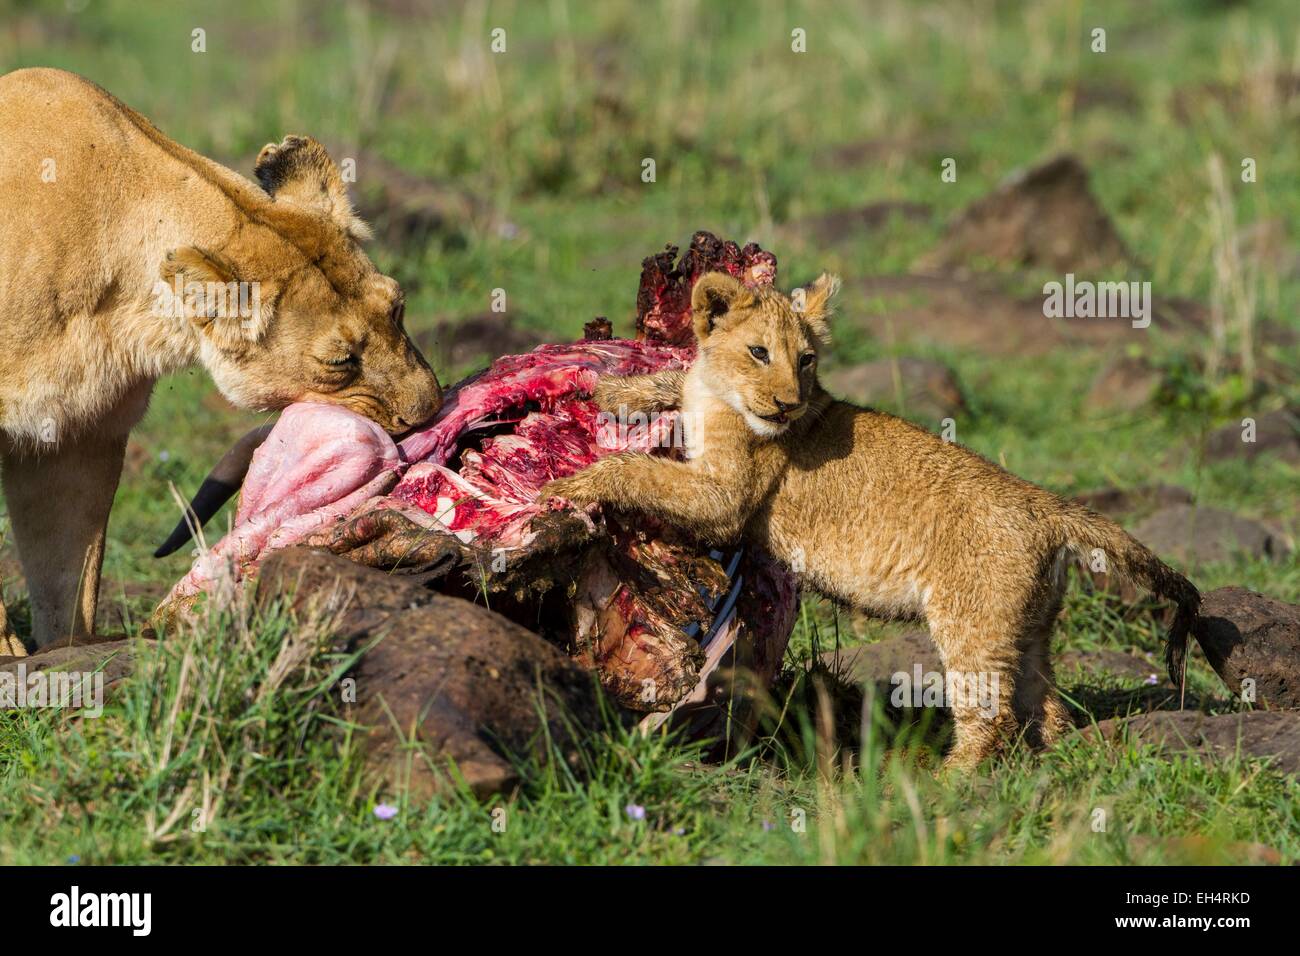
(1090, 701)
(464, 683)
(1247, 636)
(973, 313)
(1124, 384)
(115, 659)
(1100, 662)
(359, 598)
(1196, 535)
(837, 226)
(1256, 733)
(1276, 432)
(1130, 502)
(1042, 216)
(921, 390)
(406, 208)
(886, 149)
(877, 663)
(883, 674)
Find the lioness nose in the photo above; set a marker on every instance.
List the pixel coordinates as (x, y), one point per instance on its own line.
(424, 403)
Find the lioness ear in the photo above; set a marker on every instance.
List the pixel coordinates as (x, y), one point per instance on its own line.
(816, 303)
(715, 295)
(204, 287)
(299, 170)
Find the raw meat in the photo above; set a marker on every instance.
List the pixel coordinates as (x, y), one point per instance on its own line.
(650, 612)
(322, 462)
(319, 463)
(663, 303)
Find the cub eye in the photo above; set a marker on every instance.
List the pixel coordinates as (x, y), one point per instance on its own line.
(807, 359)
(343, 362)
(759, 353)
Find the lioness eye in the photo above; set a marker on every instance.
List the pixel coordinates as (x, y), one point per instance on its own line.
(806, 359)
(759, 353)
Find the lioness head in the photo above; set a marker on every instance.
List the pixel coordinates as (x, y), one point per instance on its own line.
(760, 346)
(290, 309)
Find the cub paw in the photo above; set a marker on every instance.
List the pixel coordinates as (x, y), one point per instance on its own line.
(574, 488)
(609, 394)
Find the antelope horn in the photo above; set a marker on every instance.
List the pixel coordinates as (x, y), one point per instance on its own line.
(219, 487)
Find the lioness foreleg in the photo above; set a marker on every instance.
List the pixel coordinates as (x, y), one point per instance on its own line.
(10, 645)
(58, 505)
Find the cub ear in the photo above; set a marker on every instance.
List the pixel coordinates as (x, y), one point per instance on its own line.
(299, 170)
(714, 296)
(205, 288)
(816, 303)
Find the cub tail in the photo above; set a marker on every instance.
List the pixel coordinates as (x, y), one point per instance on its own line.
(1086, 531)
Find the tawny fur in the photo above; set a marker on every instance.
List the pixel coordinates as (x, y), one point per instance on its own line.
(873, 511)
(99, 208)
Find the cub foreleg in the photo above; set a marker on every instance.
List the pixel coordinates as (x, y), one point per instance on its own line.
(672, 491)
(640, 393)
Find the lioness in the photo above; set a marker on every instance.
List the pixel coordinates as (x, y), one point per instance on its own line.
(875, 512)
(125, 256)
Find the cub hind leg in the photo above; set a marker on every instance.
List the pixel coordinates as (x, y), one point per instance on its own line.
(1037, 703)
(980, 656)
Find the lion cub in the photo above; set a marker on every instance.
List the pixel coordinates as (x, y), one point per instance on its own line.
(873, 511)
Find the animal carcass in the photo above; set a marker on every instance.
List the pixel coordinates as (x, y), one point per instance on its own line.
(651, 612)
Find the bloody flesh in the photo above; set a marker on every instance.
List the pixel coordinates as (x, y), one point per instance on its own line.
(641, 597)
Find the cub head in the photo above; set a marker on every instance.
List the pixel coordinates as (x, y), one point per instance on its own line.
(291, 309)
(761, 346)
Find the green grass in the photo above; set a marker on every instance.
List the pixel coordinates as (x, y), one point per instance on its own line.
(552, 135)
(212, 756)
